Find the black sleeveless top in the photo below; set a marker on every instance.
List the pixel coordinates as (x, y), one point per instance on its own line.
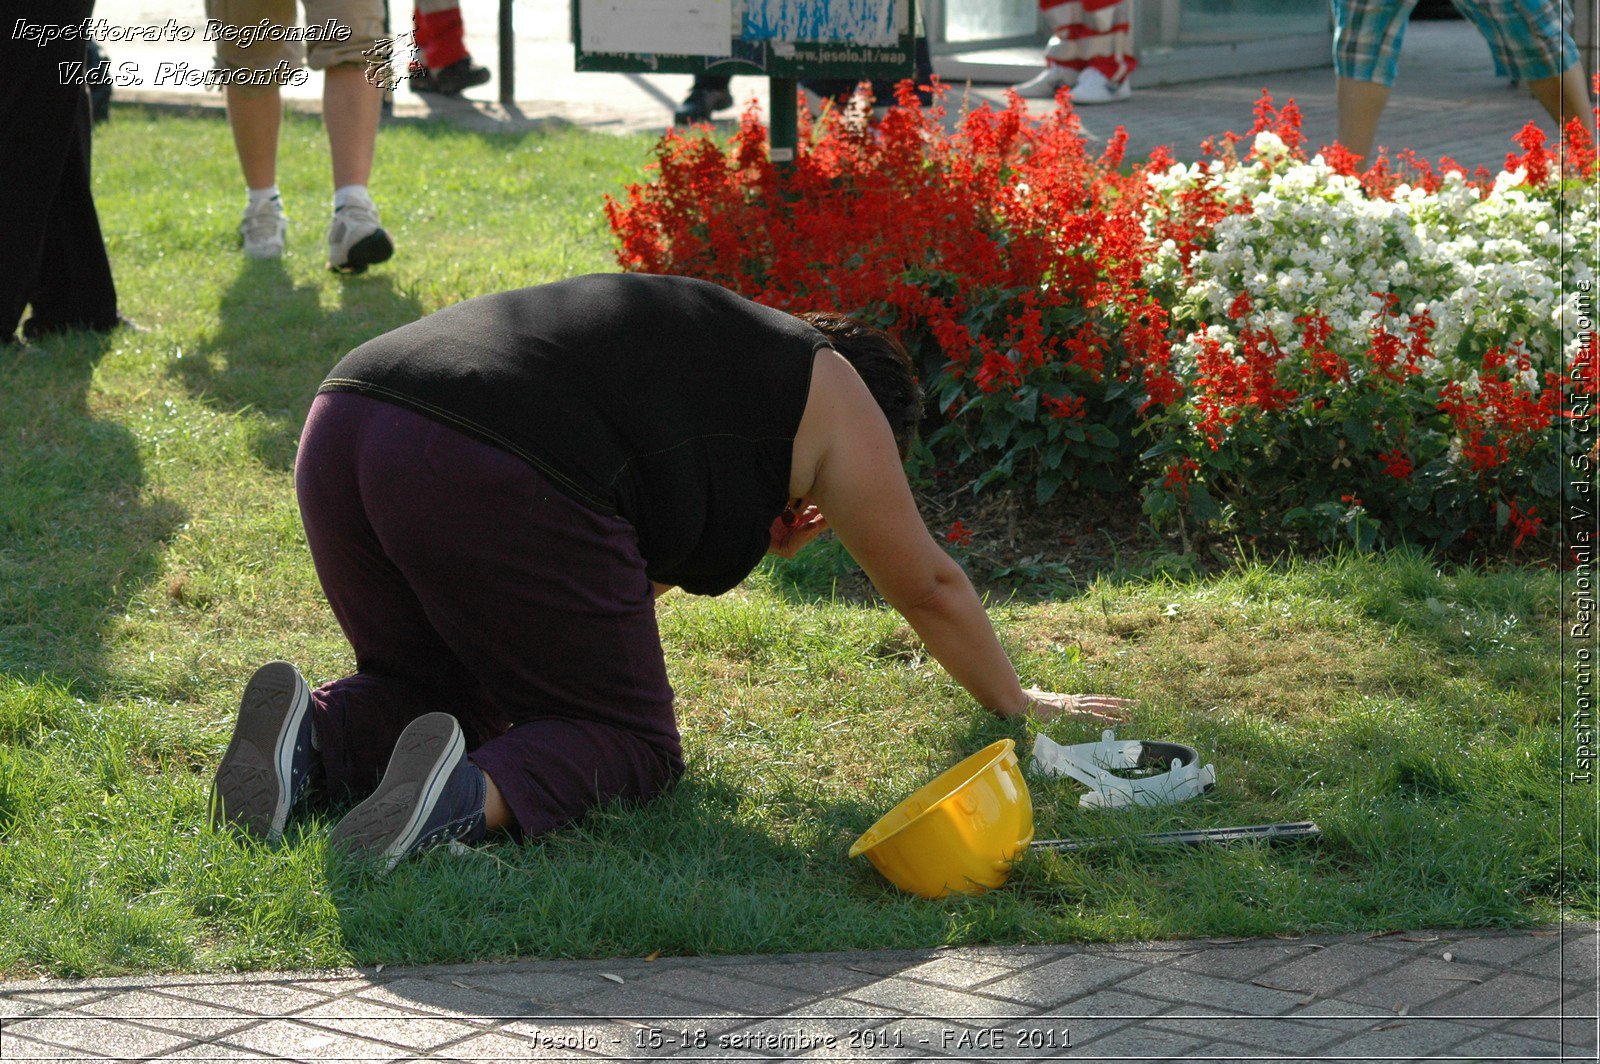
(667, 401)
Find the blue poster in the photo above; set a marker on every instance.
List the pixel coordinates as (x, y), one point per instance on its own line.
(843, 21)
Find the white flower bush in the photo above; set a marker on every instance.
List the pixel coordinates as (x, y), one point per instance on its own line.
(1494, 269)
(1275, 251)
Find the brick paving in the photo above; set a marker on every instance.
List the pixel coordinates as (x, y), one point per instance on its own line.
(1503, 995)
(1446, 99)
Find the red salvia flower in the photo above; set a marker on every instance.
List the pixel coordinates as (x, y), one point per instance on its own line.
(1396, 463)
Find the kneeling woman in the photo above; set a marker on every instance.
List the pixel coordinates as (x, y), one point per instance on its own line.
(494, 496)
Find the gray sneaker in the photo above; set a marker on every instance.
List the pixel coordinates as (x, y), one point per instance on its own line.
(429, 794)
(356, 239)
(270, 759)
(264, 230)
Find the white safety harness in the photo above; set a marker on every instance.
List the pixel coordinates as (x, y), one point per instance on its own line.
(1095, 765)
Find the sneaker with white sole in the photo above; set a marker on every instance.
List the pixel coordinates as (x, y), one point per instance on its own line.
(1094, 87)
(356, 239)
(271, 758)
(1043, 85)
(429, 794)
(264, 230)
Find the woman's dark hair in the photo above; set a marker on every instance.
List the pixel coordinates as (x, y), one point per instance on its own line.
(882, 363)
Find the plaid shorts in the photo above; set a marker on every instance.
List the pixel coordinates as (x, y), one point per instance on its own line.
(362, 18)
(1529, 39)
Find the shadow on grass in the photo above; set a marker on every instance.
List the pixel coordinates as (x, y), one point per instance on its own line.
(275, 342)
(714, 866)
(78, 539)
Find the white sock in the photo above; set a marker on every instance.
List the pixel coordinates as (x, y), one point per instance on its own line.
(345, 195)
(255, 197)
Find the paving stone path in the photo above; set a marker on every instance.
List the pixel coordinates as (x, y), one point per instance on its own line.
(1436, 995)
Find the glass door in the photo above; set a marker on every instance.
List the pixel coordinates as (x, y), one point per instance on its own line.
(1182, 40)
(964, 25)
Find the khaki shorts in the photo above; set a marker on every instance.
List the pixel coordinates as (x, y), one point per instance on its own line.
(363, 18)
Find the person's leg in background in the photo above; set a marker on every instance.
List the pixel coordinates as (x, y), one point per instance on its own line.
(708, 95)
(1566, 96)
(352, 104)
(255, 114)
(446, 67)
(1091, 49)
(1367, 35)
(1531, 42)
(51, 251)
(73, 288)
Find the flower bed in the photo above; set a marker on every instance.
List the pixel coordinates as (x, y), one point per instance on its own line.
(1260, 342)
(1369, 359)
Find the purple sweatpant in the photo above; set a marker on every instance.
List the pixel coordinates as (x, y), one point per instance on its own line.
(466, 583)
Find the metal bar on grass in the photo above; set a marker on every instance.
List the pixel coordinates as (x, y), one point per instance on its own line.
(1304, 829)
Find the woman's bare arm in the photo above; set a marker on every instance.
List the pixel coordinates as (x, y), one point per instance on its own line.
(861, 486)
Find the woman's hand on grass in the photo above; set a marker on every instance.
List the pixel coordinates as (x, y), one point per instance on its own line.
(798, 525)
(1047, 705)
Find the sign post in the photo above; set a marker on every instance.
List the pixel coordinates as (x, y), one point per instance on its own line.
(785, 40)
(783, 130)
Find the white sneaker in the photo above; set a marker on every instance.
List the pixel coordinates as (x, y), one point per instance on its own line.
(1094, 87)
(1043, 85)
(356, 239)
(264, 230)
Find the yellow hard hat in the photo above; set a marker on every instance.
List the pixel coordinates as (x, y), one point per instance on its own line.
(962, 832)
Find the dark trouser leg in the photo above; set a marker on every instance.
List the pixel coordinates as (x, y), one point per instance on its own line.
(466, 584)
(552, 771)
(50, 248)
(403, 668)
(74, 288)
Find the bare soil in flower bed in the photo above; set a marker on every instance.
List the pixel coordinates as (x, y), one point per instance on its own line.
(1019, 546)
(1024, 550)
(1011, 546)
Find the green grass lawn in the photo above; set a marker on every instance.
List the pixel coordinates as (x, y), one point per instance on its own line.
(151, 557)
